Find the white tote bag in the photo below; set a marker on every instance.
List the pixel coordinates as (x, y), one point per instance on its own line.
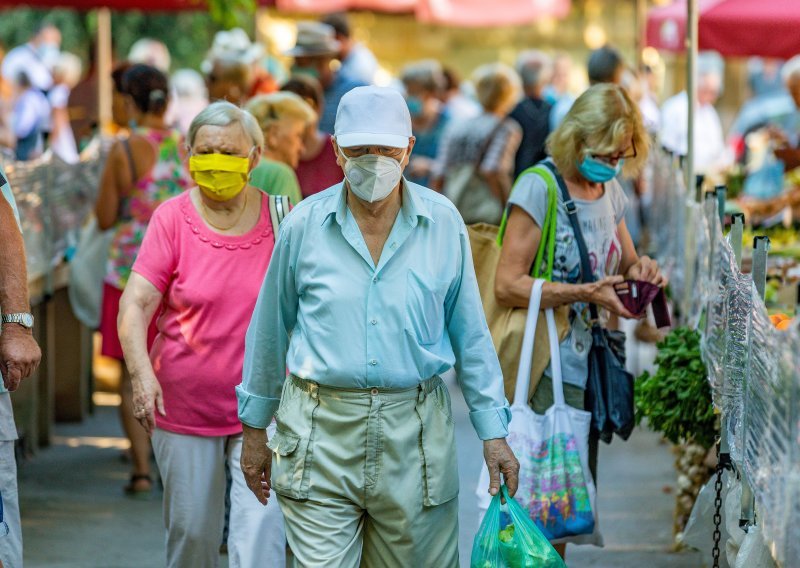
(87, 269)
(555, 485)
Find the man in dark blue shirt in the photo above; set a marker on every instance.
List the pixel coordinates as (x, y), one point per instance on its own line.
(533, 112)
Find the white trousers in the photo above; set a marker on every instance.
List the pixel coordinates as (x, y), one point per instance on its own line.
(10, 544)
(193, 471)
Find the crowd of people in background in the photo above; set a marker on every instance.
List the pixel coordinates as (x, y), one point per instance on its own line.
(495, 124)
(274, 127)
(48, 97)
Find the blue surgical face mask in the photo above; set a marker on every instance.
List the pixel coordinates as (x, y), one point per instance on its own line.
(597, 171)
(414, 105)
(48, 53)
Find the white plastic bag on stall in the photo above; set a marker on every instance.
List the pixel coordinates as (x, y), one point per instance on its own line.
(86, 272)
(699, 530)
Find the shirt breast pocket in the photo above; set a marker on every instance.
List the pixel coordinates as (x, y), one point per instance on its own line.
(425, 308)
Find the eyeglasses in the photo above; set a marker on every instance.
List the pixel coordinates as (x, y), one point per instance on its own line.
(627, 155)
(357, 151)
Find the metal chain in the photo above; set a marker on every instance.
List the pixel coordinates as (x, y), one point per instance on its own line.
(717, 511)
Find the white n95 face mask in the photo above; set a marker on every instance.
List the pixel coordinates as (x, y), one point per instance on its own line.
(372, 177)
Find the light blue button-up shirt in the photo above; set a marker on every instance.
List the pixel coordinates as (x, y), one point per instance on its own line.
(328, 314)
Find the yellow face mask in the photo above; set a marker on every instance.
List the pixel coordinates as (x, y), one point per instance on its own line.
(220, 177)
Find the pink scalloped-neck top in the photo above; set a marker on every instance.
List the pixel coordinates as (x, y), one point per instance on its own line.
(210, 283)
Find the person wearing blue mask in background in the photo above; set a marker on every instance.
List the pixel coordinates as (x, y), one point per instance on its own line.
(314, 51)
(600, 136)
(36, 58)
(423, 82)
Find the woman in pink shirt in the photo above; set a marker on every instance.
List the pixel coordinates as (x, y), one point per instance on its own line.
(202, 261)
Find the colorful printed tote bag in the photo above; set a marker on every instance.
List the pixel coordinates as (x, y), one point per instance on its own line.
(555, 485)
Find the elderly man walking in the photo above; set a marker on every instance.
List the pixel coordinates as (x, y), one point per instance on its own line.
(370, 296)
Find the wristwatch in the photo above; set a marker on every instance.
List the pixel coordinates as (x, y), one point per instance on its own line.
(24, 319)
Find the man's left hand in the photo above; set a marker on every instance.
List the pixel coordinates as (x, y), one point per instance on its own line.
(19, 355)
(500, 459)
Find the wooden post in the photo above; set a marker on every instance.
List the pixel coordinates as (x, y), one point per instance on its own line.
(104, 63)
(69, 378)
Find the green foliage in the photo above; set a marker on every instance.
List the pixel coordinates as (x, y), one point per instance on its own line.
(676, 400)
(187, 34)
(231, 13)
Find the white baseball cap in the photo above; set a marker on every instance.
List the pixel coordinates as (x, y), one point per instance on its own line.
(372, 116)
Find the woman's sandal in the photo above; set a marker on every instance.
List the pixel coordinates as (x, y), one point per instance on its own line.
(136, 488)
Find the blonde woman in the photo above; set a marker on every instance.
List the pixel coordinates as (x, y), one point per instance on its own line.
(283, 118)
(486, 144)
(599, 137)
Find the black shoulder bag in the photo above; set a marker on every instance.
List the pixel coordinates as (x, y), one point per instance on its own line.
(609, 388)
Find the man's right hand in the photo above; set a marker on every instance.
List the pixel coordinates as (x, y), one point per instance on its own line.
(19, 355)
(256, 462)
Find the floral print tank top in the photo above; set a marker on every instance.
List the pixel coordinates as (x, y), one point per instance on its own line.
(165, 180)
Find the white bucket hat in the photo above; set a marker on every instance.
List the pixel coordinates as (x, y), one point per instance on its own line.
(372, 116)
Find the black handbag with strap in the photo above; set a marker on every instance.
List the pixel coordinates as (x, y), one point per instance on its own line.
(609, 388)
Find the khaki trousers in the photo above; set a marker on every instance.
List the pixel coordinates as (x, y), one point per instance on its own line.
(367, 477)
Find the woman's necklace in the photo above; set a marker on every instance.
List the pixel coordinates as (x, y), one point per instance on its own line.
(206, 215)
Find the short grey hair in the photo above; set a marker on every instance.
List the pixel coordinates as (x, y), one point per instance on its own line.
(791, 69)
(534, 67)
(427, 74)
(223, 113)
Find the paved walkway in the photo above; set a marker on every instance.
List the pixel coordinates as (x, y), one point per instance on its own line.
(75, 516)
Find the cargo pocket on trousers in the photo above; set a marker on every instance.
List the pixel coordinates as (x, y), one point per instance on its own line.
(287, 467)
(438, 451)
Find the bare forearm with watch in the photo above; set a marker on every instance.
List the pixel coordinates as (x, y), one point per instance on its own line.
(19, 352)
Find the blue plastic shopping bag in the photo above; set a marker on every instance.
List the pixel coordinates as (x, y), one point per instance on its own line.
(507, 538)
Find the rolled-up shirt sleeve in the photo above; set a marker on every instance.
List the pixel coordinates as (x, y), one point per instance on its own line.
(477, 366)
(267, 339)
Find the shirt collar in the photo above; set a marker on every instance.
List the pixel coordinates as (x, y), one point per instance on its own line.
(413, 205)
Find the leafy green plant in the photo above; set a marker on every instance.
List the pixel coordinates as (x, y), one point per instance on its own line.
(231, 13)
(676, 399)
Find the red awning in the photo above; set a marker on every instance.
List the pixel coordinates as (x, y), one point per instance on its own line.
(324, 6)
(732, 27)
(480, 13)
(466, 13)
(144, 5)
